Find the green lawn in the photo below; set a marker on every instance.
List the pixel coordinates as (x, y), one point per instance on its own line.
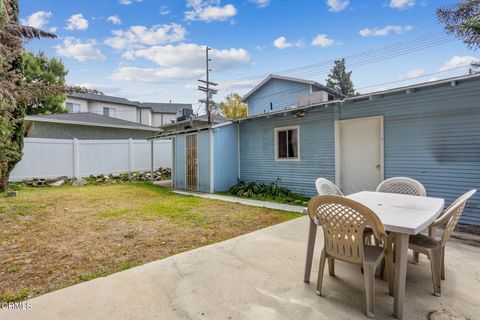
(55, 237)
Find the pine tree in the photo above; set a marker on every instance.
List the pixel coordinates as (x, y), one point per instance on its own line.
(340, 80)
(463, 20)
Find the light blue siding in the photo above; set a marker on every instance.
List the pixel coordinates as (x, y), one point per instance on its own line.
(432, 135)
(180, 162)
(203, 150)
(226, 157)
(317, 151)
(280, 93)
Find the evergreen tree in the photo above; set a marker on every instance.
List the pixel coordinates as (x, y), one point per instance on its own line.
(37, 67)
(340, 80)
(463, 20)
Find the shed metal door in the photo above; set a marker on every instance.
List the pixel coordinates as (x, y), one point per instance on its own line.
(361, 154)
(191, 162)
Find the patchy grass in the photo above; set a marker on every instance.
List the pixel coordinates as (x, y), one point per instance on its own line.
(55, 237)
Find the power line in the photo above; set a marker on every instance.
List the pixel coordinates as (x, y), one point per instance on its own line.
(366, 57)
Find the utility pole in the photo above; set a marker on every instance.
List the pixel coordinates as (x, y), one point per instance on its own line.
(208, 92)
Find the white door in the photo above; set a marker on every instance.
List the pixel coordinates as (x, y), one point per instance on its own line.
(360, 154)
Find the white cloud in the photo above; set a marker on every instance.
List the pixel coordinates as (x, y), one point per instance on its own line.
(238, 84)
(155, 75)
(38, 19)
(139, 36)
(401, 4)
(337, 5)
(183, 61)
(114, 20)
(128, 2)
(385, 31)
(457, 62)
(52, 29)
(414, 73)
(78, 50)
(323, 40)
(282, 43)
(77, 22)
(189, 55)
(164, 10)
(261, 3)
(432, 79)
(209, 10)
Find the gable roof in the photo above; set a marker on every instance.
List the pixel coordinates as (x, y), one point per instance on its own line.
(298, 80)
(89, 119)
(166, 107)
(154, 106)
(104, 98)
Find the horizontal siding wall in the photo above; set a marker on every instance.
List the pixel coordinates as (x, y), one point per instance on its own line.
(317, 151)
(432, 135)
(226, 157)
(280, 93)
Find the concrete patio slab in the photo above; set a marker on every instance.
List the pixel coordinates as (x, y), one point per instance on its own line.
(258, 276)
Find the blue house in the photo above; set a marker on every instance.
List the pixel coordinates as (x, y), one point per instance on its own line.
(429, 132)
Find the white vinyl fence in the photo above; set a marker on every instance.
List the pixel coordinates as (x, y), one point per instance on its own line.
(51, 158)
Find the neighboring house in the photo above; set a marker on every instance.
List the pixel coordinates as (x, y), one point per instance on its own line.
(86, 126)
(148, 113)
(279, 93)
(429, 132)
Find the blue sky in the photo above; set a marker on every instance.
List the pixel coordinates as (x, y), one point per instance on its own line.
(152, 50)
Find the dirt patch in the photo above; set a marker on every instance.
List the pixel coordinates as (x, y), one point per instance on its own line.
(55, 237)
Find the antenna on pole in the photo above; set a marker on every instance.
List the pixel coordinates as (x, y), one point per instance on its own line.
(208, 91)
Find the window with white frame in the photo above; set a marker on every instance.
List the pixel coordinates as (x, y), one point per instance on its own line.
(73, 107)
(109, 112)
(287, 143)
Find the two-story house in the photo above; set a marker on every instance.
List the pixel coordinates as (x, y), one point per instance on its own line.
(95, 116)
(147, 113)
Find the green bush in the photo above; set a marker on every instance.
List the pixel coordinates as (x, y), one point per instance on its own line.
(273, 191)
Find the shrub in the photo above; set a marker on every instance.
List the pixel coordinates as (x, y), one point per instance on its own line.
(269, 191)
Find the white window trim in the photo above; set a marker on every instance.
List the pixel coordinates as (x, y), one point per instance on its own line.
(276, 130)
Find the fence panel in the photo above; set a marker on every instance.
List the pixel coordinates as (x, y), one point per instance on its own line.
(51, 158)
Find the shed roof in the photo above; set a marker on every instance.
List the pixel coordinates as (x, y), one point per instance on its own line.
(309, 82)
(89, 119)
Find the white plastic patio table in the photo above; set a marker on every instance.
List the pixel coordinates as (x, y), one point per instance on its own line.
(405, 216)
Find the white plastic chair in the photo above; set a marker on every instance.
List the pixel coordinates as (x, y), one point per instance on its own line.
(402, 185)
(326, 187)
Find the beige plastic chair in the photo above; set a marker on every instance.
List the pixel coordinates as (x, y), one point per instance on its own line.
(402, 185)
(435, 248)
(324, 187)
(343, 221)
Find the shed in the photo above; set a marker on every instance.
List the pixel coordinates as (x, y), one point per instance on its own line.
(205, 158)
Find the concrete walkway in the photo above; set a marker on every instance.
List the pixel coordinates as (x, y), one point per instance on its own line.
(258, 276)
(249, 202)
